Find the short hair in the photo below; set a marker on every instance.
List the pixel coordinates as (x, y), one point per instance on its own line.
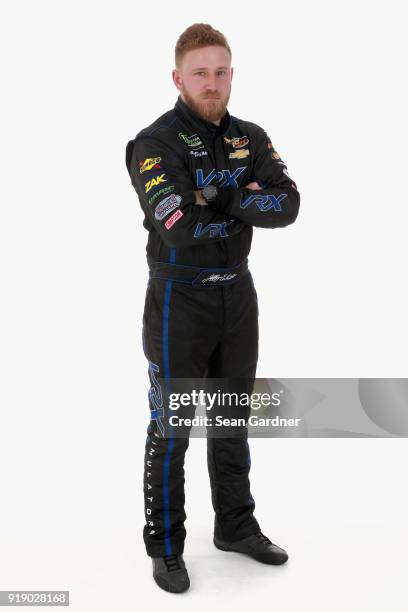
(196, 36)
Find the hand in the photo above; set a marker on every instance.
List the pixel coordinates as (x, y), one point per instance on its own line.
(254, 185)
(200, 199)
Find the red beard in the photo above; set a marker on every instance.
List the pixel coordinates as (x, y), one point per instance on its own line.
(209, 110)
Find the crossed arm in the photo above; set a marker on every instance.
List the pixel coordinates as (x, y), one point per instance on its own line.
(181, 215)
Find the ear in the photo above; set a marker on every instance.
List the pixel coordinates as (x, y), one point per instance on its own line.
(177, 80)
(232, 72)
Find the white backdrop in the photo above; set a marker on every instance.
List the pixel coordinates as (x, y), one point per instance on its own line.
(79, 79)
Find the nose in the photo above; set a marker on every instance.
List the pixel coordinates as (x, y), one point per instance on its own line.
(211, 84)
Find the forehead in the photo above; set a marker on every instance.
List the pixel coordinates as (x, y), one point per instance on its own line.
(206, 57)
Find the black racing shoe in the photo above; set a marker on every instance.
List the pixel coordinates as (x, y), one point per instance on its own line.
(258, 547)
(170, 573)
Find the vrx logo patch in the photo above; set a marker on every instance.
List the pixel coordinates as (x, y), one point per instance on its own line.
(265, 202)
(224, 178)
(212, 229)
(155, 396)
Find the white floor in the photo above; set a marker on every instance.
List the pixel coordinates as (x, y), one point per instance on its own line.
(338, 507)
(329, 569)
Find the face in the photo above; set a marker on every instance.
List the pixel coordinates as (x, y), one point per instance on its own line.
(204, 81)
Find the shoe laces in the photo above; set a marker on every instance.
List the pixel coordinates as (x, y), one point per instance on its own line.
(172, 563)
(262, 538)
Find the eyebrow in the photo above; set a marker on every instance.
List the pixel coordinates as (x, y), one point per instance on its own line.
(219, 68)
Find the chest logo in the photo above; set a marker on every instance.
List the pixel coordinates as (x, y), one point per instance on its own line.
(192, 141)
(240, 154)
(237, 143)
(199, 153)
(224, 178)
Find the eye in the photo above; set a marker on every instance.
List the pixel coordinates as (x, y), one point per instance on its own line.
(222, 72)
(201, 72)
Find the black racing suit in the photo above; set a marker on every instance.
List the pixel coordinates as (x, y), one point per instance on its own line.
(207, 327)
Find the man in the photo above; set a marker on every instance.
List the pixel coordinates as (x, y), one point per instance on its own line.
(204, 179)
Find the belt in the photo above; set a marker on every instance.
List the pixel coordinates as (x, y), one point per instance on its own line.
(196, 276)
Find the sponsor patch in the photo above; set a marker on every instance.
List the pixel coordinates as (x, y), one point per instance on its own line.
(237, 143)
(240, 154)
(156, 180)
(161, 192)
(274, 154)
(198, 153)
(174, 217)
(149, 163)
(166, 206)
(192, 141)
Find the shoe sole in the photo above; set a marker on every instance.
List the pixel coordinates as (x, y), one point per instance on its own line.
(227, 548)
(223, 546)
